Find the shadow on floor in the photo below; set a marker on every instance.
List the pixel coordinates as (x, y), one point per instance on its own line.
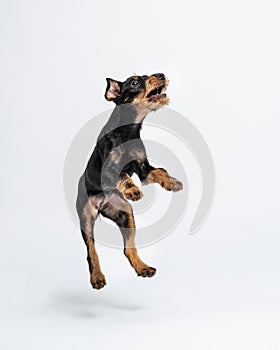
(91, 305)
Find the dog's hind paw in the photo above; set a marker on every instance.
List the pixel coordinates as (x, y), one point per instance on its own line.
(97, 281)
(147, 272)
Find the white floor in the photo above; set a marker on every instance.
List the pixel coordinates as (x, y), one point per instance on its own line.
(218, 289)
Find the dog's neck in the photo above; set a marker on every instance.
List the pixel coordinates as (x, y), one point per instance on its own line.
(125, 122)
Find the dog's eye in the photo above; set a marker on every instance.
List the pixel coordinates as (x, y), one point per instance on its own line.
(135, 82)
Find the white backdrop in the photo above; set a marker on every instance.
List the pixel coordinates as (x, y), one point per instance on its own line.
(218, 289)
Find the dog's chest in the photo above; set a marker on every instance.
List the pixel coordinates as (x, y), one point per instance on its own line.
(127, 153)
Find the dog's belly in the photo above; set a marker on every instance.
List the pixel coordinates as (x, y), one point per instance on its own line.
(107, 166)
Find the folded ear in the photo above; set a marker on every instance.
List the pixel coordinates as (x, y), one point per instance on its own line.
(113, 89)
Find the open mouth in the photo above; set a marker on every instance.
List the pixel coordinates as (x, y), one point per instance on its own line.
(157, 93)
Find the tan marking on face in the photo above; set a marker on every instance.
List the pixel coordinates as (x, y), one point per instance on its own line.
(151, 84)
(144, 105)
(140, 97)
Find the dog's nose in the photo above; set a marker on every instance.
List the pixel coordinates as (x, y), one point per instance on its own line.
(160, 76)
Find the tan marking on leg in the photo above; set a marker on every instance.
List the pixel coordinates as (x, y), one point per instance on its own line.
(114, 203)
(90, 211)
(130, 251)
(97, 278)
(128, 189)
(161, 177)
(120, 211)
(139, 266)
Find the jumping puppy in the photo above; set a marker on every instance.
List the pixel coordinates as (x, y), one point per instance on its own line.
(106, 184)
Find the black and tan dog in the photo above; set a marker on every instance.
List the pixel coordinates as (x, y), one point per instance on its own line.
(106, 183)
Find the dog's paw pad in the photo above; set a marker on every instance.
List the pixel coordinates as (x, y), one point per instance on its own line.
(133, 194)
(147, 272)
(98, 281)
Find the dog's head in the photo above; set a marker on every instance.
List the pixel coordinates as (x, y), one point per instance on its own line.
(139, 90)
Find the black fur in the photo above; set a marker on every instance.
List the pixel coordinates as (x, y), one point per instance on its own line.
(119, 138)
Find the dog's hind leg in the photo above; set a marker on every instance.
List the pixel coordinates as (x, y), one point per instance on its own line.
(87, 217)
(119, 210)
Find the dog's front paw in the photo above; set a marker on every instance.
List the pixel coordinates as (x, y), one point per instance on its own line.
(175, 185)
(97, 280)
(147, 271)
(133, 193)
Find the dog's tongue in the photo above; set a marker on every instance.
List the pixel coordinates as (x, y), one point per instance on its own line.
(155, 97)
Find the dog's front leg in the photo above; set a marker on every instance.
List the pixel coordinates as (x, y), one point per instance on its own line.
(128, 188)
(149, 174)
